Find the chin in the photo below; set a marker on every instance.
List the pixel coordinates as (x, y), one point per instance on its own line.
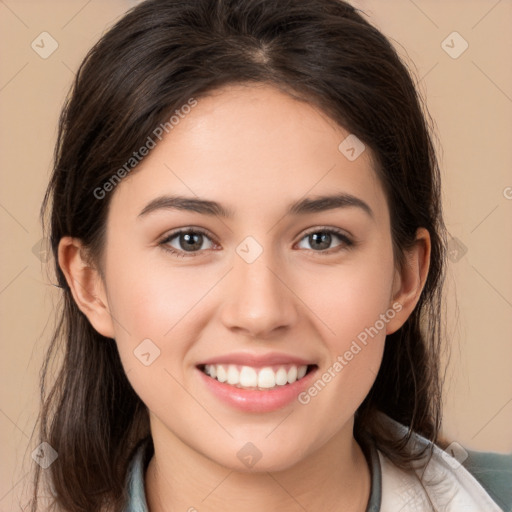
(257, 457)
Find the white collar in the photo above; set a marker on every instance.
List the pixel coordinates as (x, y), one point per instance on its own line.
(450, 486)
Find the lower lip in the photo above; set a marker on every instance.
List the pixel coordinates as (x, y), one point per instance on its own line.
(252, 400)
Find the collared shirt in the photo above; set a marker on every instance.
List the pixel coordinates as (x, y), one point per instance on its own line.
(460, 481)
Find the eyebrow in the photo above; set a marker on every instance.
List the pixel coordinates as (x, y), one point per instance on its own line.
(302, 207)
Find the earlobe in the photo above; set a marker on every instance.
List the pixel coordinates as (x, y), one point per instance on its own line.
(409, 281)
(86, 285)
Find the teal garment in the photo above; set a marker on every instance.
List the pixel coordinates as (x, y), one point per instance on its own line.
(492, 470)
(494, 473)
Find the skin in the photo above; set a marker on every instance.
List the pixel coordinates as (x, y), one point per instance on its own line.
(253, 149)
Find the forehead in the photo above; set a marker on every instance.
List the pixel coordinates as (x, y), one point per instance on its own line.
(254, 149)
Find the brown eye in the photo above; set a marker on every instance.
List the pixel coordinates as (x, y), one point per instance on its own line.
(321, 239)
(186, 242)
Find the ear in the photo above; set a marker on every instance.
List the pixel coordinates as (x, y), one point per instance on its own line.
(408, 282)
(86, 285)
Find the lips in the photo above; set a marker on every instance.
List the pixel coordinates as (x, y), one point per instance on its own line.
(256, 399)
(260, 372)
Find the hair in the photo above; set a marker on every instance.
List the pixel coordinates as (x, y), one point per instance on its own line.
(157, 57)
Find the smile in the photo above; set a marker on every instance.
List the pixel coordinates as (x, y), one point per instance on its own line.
(249, 377)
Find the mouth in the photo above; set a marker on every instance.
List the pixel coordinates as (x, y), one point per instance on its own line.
(257, 378)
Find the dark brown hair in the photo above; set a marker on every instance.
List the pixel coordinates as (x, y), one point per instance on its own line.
(157, 57)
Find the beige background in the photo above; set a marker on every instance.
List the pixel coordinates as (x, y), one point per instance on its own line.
(470, 98)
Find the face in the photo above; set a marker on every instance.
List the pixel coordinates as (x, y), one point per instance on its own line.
(255, 297)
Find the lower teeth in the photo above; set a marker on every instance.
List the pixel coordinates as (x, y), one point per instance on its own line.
(239, 386)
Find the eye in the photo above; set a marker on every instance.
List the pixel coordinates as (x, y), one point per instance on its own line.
(189, 241)
(321, 238)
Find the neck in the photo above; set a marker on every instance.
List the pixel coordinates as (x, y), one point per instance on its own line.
(335, 477)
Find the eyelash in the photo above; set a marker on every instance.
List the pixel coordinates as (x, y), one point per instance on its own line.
(347, 242)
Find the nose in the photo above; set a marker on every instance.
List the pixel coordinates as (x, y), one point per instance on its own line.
(259, 300)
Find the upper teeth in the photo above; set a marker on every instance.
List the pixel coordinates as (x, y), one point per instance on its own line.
(249, 377)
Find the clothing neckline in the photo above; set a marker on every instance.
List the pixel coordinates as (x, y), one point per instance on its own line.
(136, 475)
(369, 449)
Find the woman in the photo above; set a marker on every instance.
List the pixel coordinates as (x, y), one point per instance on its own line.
(245, 214)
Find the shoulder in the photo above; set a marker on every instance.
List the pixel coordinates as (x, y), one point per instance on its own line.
(453, 479)
(494, 473)
(482, 483)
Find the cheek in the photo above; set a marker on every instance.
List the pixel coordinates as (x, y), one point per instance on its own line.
(349, 298)
(357, 315)
(352, 306)
(156, 311)
(151, 299)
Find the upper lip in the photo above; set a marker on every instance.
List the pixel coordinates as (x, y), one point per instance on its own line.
(257, 360)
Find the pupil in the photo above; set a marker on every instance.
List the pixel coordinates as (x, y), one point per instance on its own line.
(324, 238)
(191, 239)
